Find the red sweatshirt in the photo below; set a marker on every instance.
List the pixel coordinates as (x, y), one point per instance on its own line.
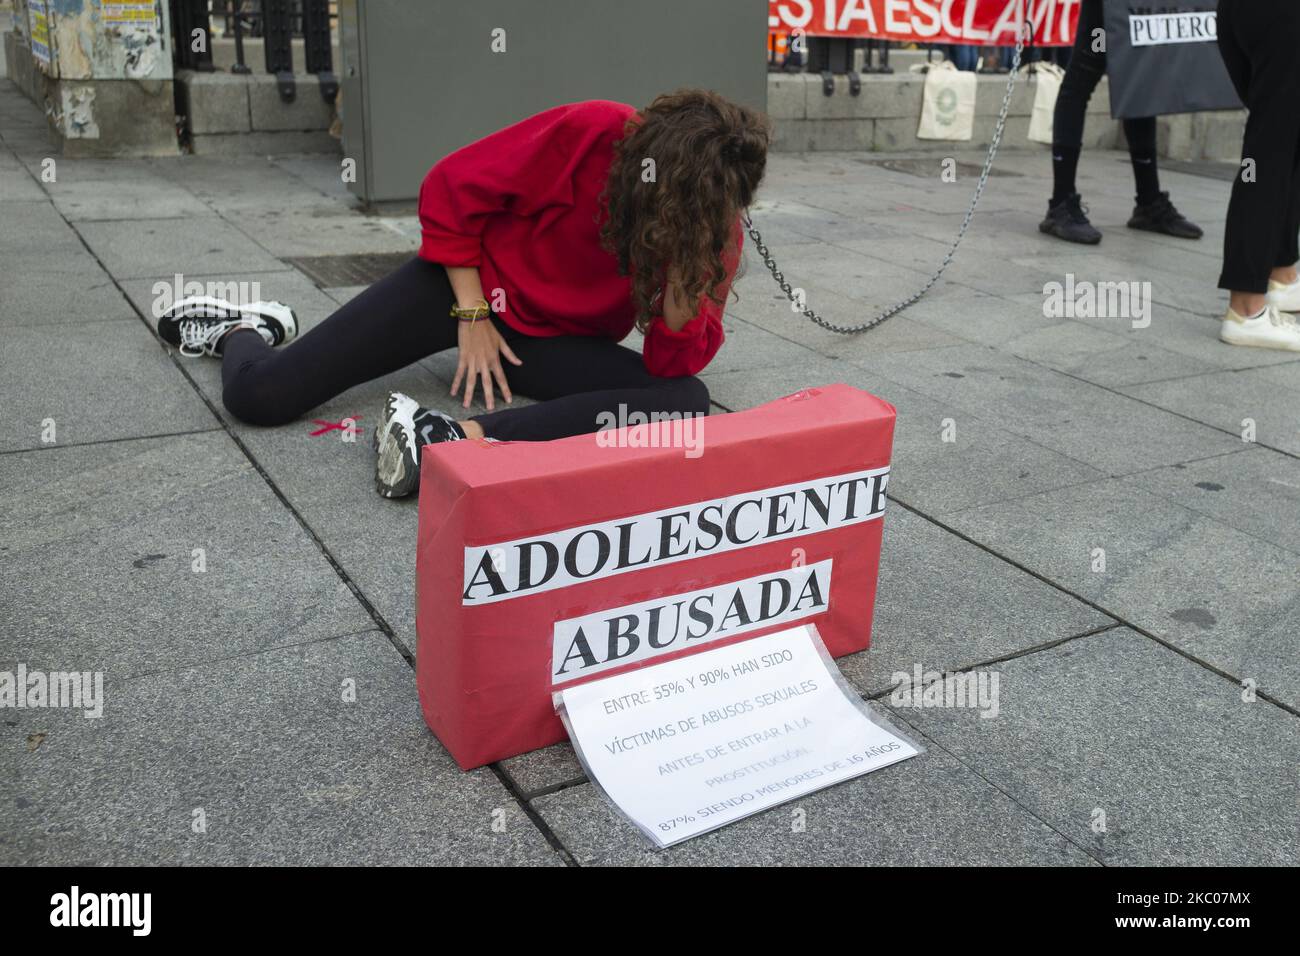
(521, 205)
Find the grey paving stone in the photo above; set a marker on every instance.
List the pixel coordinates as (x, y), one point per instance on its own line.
(283, 769)
(319, 172)
(762, 303)
(96, 381)
(442, 367)
(544, 769)
(994, 234)
(745, 389)
(151, 247)
(972, 273)
(944, 604)
(38, 297)
(784, 221)
(1255, 490)
(1286, 374)
(34, 234)
(17, 186)
(980, 464)
(748, 346)
(1228, 399)
(321, 232)
(978, 317)
(822, 268)
(87, 190)
(1169, 279)
(1202, 258)
(1090, 424)
(345, 294)
(330, 482)
(1222, 595)
(99, 550)
(1186, 773)
(930, 810)
(255, 184)
(31, 144)
(1189, 334)
(1100, 356)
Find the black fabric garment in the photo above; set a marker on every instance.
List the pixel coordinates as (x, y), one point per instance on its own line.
(1087, 66)
(1260, 43)
(403, 318)
(1065, 163)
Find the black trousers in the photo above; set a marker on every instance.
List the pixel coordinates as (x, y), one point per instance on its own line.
(1260, 43)
(403, 318)
(1087, 67)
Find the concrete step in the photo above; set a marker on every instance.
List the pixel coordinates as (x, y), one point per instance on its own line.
(231, 113)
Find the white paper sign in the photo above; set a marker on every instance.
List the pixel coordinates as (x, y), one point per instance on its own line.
(695, 743)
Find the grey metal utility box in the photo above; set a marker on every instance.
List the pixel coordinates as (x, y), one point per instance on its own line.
(421, 78)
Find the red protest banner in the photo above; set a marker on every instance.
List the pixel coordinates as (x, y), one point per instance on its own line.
(980, 22)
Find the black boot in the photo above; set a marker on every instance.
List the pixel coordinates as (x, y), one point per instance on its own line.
(1067, 220)
(1159, 215)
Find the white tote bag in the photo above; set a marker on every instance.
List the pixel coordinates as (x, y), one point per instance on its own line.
(947, 103)
(1049, 85)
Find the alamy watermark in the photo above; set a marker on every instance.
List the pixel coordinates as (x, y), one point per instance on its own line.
(633, 429)
(133, 911)
(166, 295)
(1082, 299)
(76, 690)
(975, 690)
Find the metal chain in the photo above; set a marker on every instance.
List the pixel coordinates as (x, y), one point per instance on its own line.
(970, 212)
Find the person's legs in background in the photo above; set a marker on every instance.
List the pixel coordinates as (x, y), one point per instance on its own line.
(1283, 281)
(963, 56)
(1258, 40)
(1066, 218)
(1140, 134)
(1152, 210)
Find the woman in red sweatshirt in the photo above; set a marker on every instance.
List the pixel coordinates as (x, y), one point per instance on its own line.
(544, 244)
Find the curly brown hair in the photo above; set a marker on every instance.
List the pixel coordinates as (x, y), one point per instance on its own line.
(709, 157)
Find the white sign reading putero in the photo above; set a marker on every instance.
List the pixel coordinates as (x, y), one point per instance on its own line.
(1188, 26)
(498, 572)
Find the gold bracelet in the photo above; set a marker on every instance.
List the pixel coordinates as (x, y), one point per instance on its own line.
(471, 315)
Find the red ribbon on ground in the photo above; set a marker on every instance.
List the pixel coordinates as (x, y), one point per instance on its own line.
(329, 426)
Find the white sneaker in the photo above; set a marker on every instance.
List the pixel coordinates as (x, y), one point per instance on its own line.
(1283, 296)
(403, 430)
(198, 324)
(1270, 329)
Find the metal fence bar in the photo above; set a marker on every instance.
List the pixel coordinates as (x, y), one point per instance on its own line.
(190, 30)
(277, 33)
(316, 44)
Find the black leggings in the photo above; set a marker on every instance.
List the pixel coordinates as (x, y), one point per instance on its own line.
(1087, 67)
(1259, 41)
(404, 317)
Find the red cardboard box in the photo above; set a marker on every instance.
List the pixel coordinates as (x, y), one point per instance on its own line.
(543, 563)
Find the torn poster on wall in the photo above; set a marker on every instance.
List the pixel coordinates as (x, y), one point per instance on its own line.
(38, 22)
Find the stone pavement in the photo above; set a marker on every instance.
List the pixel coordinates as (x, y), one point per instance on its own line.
(1121, 690)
